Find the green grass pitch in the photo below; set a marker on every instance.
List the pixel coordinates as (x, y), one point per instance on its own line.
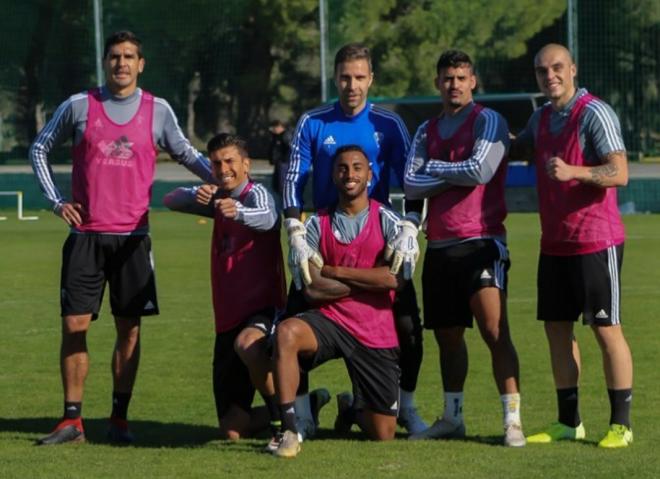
(172, 411)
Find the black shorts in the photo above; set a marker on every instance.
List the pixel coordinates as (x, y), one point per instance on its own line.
(374, 372)
(231, 378)
(453, 274)
(124, 261)
(568, 286)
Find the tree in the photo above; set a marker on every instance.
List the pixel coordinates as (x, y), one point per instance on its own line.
(407, 36)
(619, 60)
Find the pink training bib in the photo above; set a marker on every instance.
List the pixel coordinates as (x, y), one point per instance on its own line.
(367, 315)
(464, 211)
(247, 270)
(113, 169)
(576, 218)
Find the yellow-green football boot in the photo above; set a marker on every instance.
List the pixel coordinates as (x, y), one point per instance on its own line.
(558, 432)
(617, 436)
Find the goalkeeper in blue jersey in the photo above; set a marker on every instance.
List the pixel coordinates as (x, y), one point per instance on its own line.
(353, 120)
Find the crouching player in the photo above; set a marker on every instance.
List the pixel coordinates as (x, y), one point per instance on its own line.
(353, 294)
(247, 279)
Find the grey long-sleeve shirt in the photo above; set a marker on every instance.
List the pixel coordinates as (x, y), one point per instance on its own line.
(425, 177)
(257, 211)
(70, 120)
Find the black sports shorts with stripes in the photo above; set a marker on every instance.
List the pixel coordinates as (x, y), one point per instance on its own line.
(125, 262)
(374, 372)
(231, 378)
(588, 284)
(453, 274)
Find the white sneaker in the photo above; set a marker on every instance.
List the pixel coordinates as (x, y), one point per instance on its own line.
(289, 446)
(441, 429)
(410, 420)
(274, 443)
(513, 435)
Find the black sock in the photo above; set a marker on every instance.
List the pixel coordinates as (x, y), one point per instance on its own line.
(288, 417)
(273, 413)
(72, 410)
(272, 407)
(349, 415)
(620, 401)
(567, 402)
(120, 404)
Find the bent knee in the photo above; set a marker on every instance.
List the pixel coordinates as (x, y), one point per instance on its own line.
(247, 341)
(287, 333)
(76, 324)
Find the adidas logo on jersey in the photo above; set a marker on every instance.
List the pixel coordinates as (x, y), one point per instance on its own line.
(329, 141)
(601, 314)
(485, 275)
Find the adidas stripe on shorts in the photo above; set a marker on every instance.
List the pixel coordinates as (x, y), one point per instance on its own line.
(587, 285)
(125, 262)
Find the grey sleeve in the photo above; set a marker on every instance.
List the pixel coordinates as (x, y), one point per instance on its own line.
(169, 137)
(417, 184)
(258, 210)
(601, 128)
(183, 200)
(389, 220)
(491, 142)
(313, 235)
(59, 129)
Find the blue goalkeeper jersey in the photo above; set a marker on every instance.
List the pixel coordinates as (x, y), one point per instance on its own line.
(320, 132)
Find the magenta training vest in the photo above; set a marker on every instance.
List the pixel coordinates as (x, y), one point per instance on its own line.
(367, 315)
(464, 211)
(247, 271)
(576, 218)
(113, 169)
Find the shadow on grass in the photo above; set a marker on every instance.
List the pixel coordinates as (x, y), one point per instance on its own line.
(150, 434)
(155, 434)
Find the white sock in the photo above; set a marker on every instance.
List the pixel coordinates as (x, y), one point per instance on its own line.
(511, 407)
(303, 408)
(453, 407)
(406, 399)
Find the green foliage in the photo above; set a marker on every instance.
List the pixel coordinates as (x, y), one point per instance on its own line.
(235, 64)
(407, 36)
(172, 410)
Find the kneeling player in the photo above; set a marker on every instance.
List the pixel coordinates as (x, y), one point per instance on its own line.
(354, 294)
(247, 279)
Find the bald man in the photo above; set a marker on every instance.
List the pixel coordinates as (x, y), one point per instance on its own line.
(575, 141)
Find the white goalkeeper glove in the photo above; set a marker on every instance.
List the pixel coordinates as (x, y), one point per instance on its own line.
(403, 250)
(300, 254)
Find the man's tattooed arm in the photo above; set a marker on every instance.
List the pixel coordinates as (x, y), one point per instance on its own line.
(613, 171)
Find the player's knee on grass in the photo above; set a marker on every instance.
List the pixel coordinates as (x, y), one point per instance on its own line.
(379, 427)
(235, 423)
